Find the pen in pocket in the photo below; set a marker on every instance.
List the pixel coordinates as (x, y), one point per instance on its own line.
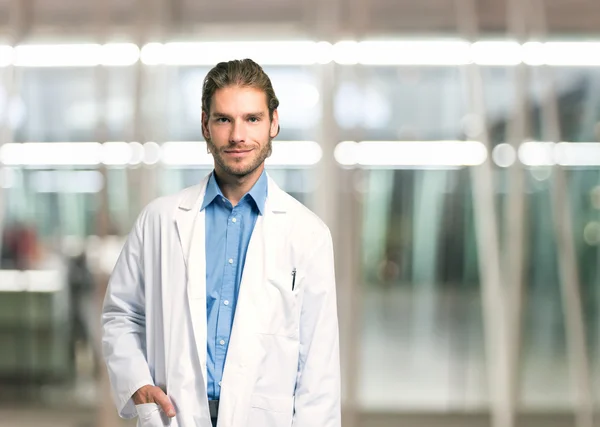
(293, 278)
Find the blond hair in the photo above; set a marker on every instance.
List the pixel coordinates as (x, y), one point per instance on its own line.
(245, 73)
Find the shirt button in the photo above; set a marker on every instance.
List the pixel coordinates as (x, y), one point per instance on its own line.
(222, 342)
(226, 302)
(219, 383)
(230, 260)
(234, 220)
(223, 199)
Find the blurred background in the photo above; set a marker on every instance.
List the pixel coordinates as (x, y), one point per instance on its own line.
(450, 145)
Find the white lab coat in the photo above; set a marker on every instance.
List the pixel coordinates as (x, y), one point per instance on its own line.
(282, 366)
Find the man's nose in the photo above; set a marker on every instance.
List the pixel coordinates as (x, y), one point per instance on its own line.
(238, 132)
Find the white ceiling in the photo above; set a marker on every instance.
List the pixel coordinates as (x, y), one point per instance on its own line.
(269, 18)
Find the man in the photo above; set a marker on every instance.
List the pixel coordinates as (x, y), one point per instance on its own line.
(221, 309)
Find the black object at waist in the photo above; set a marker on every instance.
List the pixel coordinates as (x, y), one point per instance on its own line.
(213, 406)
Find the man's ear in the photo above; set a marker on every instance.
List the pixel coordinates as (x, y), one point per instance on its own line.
(275, 128)
(205, 132)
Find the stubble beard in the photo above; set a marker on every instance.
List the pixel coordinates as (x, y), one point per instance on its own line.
(237, 169)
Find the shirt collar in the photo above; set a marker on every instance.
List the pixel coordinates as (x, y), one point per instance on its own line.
(212, 191)
(258, 192)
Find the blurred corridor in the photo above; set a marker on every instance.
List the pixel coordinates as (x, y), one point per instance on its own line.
(451, 146)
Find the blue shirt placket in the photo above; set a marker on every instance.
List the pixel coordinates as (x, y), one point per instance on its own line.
(228, 233)
(225, 319)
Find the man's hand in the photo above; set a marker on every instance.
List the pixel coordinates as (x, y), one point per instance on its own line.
(153, 394)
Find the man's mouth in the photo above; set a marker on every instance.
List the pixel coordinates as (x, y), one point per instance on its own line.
(238, 152)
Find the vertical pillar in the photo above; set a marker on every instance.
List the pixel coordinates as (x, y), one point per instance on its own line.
(337, 204)
(515, 253)
(106, 415)
(9, 79)
(567, 256)
(488, 242)
(142, 178)
(334, 204)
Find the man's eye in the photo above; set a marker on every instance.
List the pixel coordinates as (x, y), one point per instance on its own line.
(222, 120)
(253, 119)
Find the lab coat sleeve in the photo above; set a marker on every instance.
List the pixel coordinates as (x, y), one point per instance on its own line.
(124, 324)
(317, 396)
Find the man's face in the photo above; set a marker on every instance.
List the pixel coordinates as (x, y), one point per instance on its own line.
(238, 131)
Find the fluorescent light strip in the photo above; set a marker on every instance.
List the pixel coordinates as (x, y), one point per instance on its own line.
(211, 53)
(537, 153)
(411, 53)
(119, 54)
(117, 153)
(12, 281)
(76, 55)
(563, 153)
(68, 55)
(51, 154)
(501, 53)
(562, 53)
(295, 153)
(411, 153)
(6, 55)
(301, 154)
(391, 53)
(42, 281)
(416, 154)
(496, 53)
(577, 153)
(285, 153)
(174, 153)
(185, 153)
(42, 154)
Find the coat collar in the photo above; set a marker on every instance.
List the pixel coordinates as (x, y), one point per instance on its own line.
(192, 197)
(258, 192)
(189, 209)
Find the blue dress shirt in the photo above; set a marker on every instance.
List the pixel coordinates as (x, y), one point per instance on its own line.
(228, 232)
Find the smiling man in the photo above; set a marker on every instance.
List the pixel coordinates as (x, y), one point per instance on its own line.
(221, 310)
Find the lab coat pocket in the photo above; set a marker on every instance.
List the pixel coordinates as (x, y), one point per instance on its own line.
(268, 411)
(280, 315)
(150, 415)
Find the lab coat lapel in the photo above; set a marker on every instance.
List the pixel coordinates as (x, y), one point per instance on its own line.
(243, 348)
(191, 230)
(274, 232)
(245, 351)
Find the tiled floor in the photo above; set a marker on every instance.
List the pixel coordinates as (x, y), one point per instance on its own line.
(425, 351)
(56, 417)
(421, 352)
(36, 417)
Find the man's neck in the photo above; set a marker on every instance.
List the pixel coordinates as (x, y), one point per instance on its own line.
(235, 187)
